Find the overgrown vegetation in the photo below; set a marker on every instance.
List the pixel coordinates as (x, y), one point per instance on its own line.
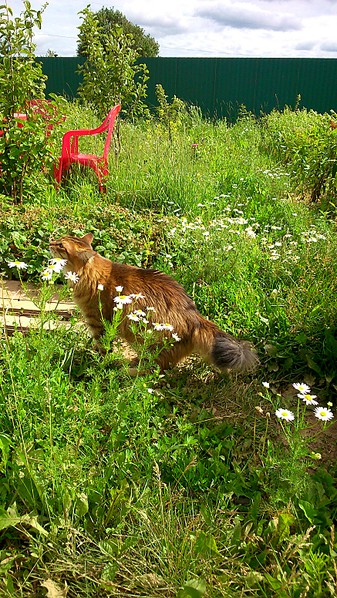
(21, 79)
(189, 484)
(307, 143)
(26, 126)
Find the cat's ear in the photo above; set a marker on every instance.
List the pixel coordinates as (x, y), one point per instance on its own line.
(88, 238)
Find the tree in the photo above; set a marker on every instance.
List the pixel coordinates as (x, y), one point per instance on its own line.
(23, 147)
(108, 19)
(51, 53)
(111, 73)
(21, 76)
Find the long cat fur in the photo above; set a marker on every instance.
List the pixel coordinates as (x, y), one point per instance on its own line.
(159, 291)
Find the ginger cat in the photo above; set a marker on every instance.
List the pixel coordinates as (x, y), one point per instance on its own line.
(97, 293)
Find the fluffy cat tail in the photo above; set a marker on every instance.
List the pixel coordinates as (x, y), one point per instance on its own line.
(223, 350)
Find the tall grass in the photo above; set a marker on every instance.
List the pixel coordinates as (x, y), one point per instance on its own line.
(183, 485)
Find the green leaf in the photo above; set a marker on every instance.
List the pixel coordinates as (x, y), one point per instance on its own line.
(313, 365)
(108, 547)
(205, 545)
(4, 448)
(280, 525)
(301, 338)
(195, 588)
(273, 582)
(9, 518)
(81, 505)
(308, 510)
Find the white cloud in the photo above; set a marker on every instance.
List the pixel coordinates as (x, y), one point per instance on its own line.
(246, 15)
(329, 47)
(265, 28)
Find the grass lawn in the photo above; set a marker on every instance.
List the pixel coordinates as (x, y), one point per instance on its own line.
(190, 484)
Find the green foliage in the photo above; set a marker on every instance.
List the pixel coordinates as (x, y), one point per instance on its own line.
(108, 19)
(23, 148)
(21, 77)
(119, 233)
(177, 114)
(111, 74)
(305, 141)
(151, 487)
(185, 484)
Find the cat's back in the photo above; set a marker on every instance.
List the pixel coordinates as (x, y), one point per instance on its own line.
(155, 286)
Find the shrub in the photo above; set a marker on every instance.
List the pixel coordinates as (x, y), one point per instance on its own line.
(305, 141)
(23, 149)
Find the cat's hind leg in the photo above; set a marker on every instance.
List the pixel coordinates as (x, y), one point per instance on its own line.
(168, 358)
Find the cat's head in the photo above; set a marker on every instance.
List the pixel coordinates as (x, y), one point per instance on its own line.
(76, 250)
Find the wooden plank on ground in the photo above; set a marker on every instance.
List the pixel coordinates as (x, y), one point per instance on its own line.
(19, 310)
(22, 323)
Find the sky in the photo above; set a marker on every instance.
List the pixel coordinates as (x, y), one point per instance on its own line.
(204, 28)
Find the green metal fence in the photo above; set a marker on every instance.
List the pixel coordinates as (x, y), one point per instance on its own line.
(220, 85)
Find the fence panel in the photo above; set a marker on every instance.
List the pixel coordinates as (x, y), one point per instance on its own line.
(62, 73)
(220, 85)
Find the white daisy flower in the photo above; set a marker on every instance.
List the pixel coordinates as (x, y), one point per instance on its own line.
(140, 313)
(72, 277)
(250, 232)
(57, 263)
(100, 287)
(54, 268)
(123, 299)
(308, 398)
(176, 337)
(137, 296)
(158, 326)
(133, 317)
(47, 274)
(17, 264)
(323, 414)
(118, 306)
(266, 384)
(285, 414)
(58, 260)
(302, 388)
(119, 289)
